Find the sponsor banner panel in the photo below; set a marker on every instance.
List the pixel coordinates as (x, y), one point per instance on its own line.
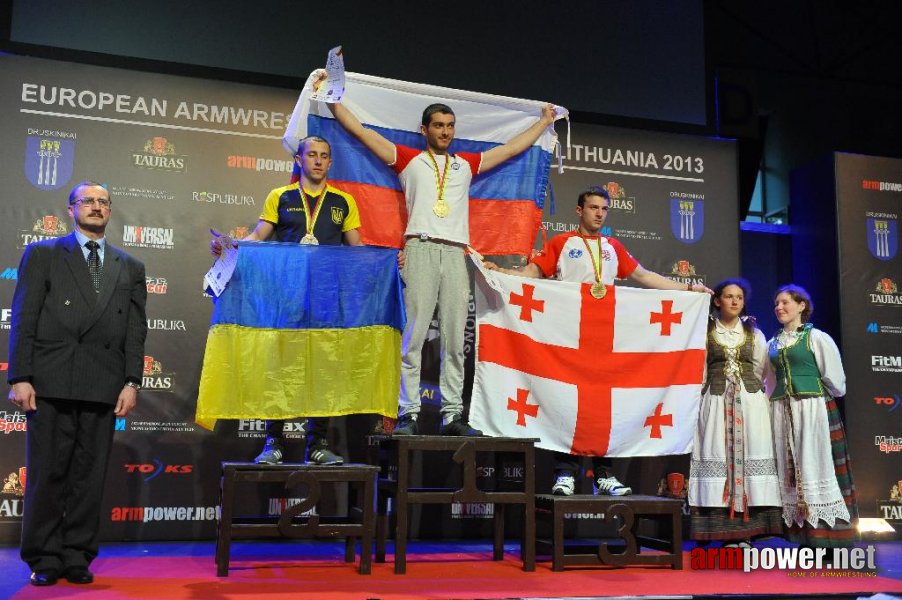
(869, 204)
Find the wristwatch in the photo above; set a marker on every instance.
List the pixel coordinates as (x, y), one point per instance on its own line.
(132, 384)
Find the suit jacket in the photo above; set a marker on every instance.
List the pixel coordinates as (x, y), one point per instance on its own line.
(68, 340)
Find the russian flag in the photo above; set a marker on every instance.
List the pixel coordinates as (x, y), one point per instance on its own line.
(304, 331)
(505, 203)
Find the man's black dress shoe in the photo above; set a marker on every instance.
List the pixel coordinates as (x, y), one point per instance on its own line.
(79, 575)
(43, 577)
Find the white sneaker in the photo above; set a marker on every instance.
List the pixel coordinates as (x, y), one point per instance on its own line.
(609, 486)
(564, 485)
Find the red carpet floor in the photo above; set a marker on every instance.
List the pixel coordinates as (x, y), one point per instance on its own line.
(149, 574)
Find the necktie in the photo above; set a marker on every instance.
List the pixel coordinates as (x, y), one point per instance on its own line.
(94, 264)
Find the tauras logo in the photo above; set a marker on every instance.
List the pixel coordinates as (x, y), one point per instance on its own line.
(159, 153)
(154, 378)
(157, 468)
(11, 508)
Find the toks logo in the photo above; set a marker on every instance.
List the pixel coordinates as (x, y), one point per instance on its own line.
(49, 160)
(890, 402)
(159, 154)
(154, 379)
(157, 468)
(45, 228)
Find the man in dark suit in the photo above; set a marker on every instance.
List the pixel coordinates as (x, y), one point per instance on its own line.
(76, 352)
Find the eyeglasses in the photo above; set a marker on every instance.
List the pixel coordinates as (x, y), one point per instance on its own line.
(101, 202)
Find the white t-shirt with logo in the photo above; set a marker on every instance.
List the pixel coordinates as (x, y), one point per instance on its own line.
(419, 181)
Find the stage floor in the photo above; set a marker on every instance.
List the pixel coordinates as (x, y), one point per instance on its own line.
(293, 569)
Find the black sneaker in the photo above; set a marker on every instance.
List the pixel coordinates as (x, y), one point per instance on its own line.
(319, 454)
(272, 453)
(460, 427)
(406, 425)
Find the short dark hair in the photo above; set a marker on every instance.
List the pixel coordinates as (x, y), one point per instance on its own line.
(73, 195)
(312, 138)
(593, 191)
(798, 294)
(435, 108)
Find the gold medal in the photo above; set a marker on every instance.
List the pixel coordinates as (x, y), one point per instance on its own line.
(598, 290)
(309, 240)
(441, 209)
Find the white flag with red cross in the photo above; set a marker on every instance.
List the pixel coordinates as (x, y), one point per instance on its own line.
(616, 376)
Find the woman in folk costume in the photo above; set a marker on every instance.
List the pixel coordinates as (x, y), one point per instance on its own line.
(819, 505)
(734, 492)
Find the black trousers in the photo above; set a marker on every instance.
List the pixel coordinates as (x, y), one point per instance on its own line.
(569, 463)
(67, 450)
(316, 429)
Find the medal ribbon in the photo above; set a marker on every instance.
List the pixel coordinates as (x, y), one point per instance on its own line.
(319, 205)
(440, 180)
(596, 265)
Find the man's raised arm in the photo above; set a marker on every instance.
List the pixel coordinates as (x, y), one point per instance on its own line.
(378, 145)
(497, 155)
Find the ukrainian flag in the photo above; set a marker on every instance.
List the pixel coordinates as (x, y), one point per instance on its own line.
(304, 331)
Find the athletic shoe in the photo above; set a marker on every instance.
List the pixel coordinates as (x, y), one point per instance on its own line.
(461, 428)
(320, 454)
(406, 425)
(564, 485)
(609, 486)
(272, 453)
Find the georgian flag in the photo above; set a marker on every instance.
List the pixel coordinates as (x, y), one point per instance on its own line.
(618, 376)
